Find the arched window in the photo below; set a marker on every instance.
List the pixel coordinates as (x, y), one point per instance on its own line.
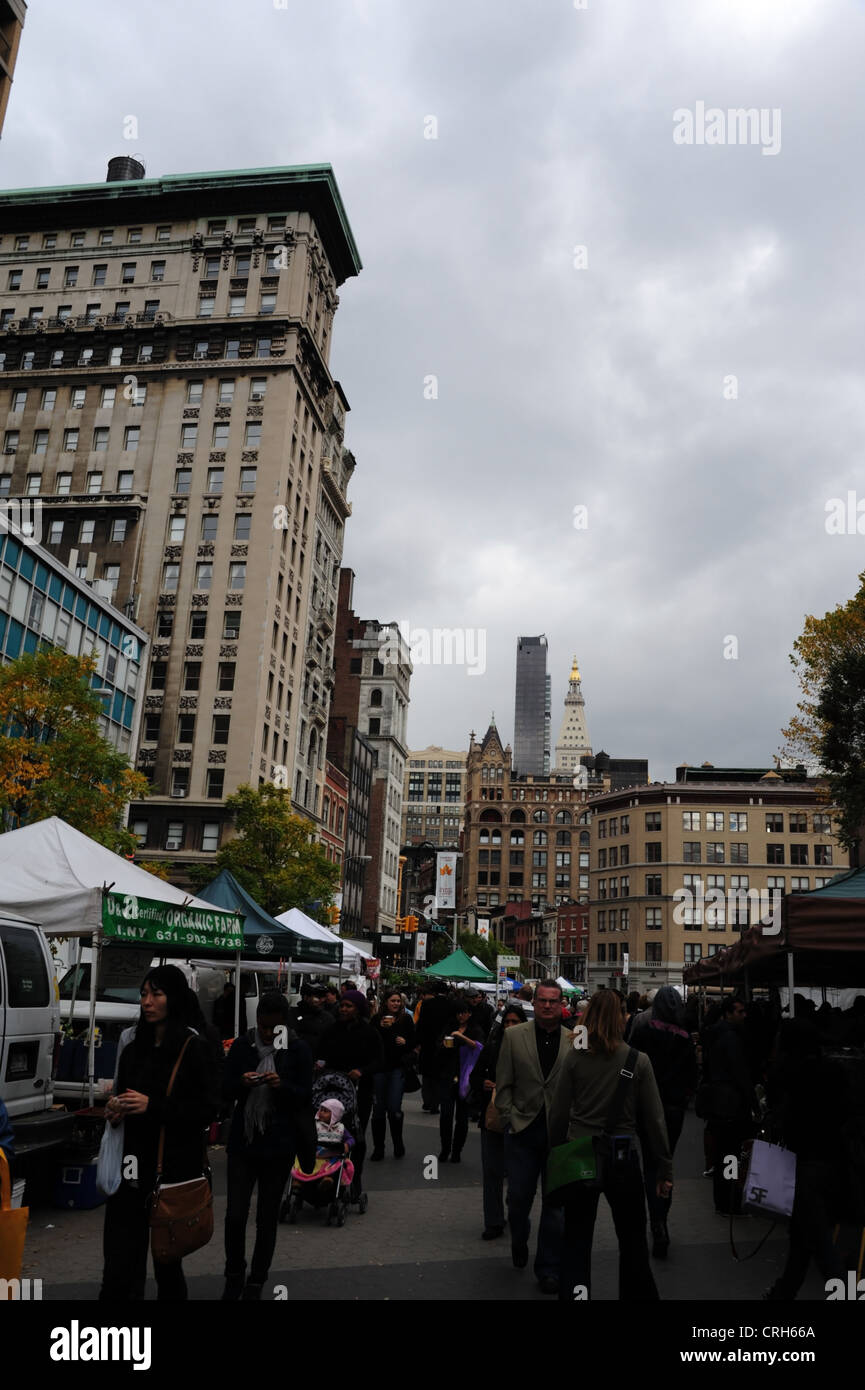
(541, 817)
(518, 837)
(500, 772)
(375, 697)
(585, 818)
(491, 817)
(584, 839)
(540, 837)
(485, 773)
(563, 817)
(518, 817)
(496, 837)
(563, 837)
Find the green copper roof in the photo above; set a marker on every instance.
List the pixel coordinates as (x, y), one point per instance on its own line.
(298, 187)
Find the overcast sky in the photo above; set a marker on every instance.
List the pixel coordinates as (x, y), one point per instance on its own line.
(565, 379)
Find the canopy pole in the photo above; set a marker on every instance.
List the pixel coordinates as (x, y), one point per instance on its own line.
(91, 1044)
(791, 1007)
(237, 995)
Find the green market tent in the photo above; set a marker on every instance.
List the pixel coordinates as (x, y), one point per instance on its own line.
(263, 935)
(459, 966)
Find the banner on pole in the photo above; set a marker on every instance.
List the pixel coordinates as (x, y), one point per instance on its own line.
(446, 878)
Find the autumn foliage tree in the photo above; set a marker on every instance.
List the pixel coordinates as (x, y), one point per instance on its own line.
(272, 856)
(841, 712)
(823, 642)
(54, 760)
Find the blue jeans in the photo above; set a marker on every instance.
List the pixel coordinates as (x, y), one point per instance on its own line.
(525, 1162)
(389, 1086)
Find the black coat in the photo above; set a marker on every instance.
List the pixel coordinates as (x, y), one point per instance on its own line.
(310, 1024)
(394, 1056)
(186, 1113)
(483, 1015)
(725, 1068)
(674, 1060)
(294, 1068)
(354, 1046)
(433, 1016)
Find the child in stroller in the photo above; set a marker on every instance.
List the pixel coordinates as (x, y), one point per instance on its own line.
(331, 1181)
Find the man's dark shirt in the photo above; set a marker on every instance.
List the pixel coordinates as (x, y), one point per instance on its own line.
(548, 1048)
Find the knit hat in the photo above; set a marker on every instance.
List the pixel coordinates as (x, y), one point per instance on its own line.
(355, 997)
(336, 1108)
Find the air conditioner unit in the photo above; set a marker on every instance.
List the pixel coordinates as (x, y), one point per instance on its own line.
(257, 396)
(199, 356)
(10, 450)
(179, 791)
(172, 844)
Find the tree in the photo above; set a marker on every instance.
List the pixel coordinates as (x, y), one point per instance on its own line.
(54, 760)
(822, 642)
(272, 856)
(840, 711)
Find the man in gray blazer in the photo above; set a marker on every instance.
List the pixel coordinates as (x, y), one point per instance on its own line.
(526, 1075)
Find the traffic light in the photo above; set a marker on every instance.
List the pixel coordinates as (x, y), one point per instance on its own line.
(411, 923)
(333, 915)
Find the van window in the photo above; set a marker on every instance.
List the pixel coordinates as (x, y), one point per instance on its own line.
(117, 994)
(25, 969)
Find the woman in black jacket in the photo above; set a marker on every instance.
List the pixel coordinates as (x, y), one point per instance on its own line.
(671, 1050)
(460, 1035)
(354, 1046)
(140, 1101)
(482, 1086)
(396, 1030)
(268, 1077)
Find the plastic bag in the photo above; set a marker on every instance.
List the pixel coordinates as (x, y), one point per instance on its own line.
(109, 1165)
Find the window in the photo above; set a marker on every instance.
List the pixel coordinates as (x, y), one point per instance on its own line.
(188, 436)
(198, 625)
(106, 238)
(107, 397)
(5, 484)
(690, 820)
(739, 821)
(163, 233)
(64, 311)
(203, 576)
(653, 820)
(133, 235)
(194, 392)
(691, 851)
(774, 823)
(653, 919)
(145, 352)
(55, 532)
(35, 314)
(98, 278)
(231, 625)
(151, 308)
(215, 478)
(14, 280)
(182, 480)
(157, 271)
(209, 526)
(822, 822)
(63, 484)
(775, 885)
(715, 852)
(774, 854)
(247, 479)
(220, 436)
(10, 441)
(185, 728)
(165, 622)
(40, 442)
(34, 484)
(714, 820)
(236, 305)
(127, 273)
(693, 951)
(653, 852)
(267, 304)
(118, 529)
(225, 679)
(237, 576)
(653, 885)
(225, 395)
(85, 356)
(100, 439)
(206, 305)
(125, 480)
(800, 885)
(27, 360)
(232, 348)
(170, 576)
(43, 275)
(215, 783)
(78, 398)
(94, 484)
(179, 783)
(653, 952)
(221, 723)
(49, 399)
(131, 437)
(375, 726)
(70, 277)
(192, 675)
(738, 853)
(210, 836)
(115, 357)
(19, 401)
(76, 239)
(799, 854)
(49, 241)
(242, 526)
(822, 855)
(85, 534)
(262, 347)
(252, 439)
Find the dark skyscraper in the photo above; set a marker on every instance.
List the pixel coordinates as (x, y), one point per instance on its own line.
(532, 708)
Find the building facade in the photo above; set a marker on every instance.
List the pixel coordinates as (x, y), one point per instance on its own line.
(434, 796)
(12, 16)
(573, 745)
(680, 869)
(165, 391)
(532, 708)
(352, 754)
(334, 812)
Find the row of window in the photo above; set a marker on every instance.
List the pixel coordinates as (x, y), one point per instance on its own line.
(737, 821)
(219, 435)
(108, 236)
(214, 784)
(185, 732)
(206, 836)
(63, 484)
(137, 396)
(192, 675)
(72, 275)
(204, 576)
(715, 852)
(72, 440)
(227, 350)
(122, 307)
(623, 823)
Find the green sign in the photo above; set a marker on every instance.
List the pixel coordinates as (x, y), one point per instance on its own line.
(136, 920)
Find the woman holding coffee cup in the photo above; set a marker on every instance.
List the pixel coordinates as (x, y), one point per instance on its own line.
(395, 1027)
(460, 1046)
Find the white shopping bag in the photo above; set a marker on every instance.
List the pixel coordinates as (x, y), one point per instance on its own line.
(109, 1165)
(770, 1185)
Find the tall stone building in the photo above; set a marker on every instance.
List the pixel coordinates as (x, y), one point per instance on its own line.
(373, 672)
(434, 796)
(573, 744)
(532, 708)
(680, 869)
(12, 16)
(164, 347)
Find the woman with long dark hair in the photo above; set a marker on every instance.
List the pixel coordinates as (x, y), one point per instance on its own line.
(483, 1085)
(395, 1027)
(460, 1046)
(162, 1033)
(596, 1089)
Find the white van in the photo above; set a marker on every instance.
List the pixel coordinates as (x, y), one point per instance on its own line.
(29, 1039)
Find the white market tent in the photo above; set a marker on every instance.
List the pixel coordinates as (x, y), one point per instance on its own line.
(54, 875)
(353, 953)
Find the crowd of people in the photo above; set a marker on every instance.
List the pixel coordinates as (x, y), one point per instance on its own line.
(608, 1075)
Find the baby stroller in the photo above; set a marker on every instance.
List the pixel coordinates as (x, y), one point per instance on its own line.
(328, 1185)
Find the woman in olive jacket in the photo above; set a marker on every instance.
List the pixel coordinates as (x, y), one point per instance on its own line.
(140, 1101)
(582, 1102)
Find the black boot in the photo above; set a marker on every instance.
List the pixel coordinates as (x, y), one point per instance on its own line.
(233, 1287)
(379, 1130)
(396, 1122)
(660, 1239)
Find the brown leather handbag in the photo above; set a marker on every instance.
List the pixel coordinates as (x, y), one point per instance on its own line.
(180, 1213)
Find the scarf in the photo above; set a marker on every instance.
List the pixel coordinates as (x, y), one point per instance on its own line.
(258, 1111)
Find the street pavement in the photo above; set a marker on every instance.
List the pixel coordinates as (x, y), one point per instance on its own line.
(421, 1240)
